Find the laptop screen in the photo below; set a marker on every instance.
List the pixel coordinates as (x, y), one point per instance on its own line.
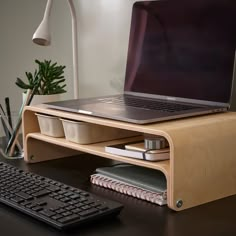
(182, 48)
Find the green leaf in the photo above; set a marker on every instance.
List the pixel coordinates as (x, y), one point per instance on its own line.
(48, 78)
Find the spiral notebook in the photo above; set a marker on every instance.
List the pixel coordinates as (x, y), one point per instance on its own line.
(139, 182)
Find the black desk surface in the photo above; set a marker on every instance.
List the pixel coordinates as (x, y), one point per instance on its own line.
(137, 218)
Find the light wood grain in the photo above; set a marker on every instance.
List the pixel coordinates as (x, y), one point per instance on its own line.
(202, 152)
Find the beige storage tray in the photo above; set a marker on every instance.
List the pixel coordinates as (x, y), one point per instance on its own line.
(85, 133)
(50, 125)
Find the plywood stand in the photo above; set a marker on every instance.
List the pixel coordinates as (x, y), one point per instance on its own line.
(202, 152)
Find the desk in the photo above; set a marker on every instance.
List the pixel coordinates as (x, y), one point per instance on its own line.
(137, 218)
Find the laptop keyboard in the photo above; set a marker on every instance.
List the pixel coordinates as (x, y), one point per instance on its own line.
(50, 201)
(148, 104)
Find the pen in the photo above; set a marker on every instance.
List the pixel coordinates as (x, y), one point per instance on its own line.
(6, 130)
(8, 110)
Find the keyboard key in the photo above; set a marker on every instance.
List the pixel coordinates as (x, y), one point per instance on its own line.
(24, 195)
(88, 212)
(68, 218)
(56, 217)
(41, 193)
(17, 199)
(47, 212)
(37, 208)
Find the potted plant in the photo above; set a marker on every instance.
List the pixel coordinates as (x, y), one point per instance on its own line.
(47, 80)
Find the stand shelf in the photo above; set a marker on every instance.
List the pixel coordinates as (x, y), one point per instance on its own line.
(202, 152)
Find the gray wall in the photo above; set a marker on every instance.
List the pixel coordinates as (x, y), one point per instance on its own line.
(103, 28)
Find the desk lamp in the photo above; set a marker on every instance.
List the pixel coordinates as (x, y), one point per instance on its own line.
(42, 37)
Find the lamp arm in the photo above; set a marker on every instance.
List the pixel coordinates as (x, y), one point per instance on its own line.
(48, 9)
(74, 48)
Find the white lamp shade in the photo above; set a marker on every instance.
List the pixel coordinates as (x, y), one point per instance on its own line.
(42, 34)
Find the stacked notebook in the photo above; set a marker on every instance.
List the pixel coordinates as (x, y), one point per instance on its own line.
(137, 150)
(140, 182)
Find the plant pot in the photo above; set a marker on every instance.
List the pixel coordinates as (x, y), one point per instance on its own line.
(38, 99)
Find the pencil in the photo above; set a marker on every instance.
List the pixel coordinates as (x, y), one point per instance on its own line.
(8, 110)
(3, 115)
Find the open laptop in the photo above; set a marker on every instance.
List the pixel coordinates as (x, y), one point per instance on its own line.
(180, 63)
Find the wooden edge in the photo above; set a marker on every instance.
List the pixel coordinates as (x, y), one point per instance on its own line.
(97, 149)
(29, 122)
(37, 150)
(202, 168)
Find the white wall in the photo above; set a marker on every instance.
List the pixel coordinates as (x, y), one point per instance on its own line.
(103, 42)
(103, 27)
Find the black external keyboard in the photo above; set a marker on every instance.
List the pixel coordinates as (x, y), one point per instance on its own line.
(50, 201)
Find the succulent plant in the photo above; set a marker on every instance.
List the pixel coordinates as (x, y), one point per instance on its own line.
(47, 79)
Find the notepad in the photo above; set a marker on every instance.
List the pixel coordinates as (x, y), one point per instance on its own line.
(124, 149)
(141, 147)
(140, 182)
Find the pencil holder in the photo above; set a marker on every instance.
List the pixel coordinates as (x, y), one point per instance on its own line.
(6, 131)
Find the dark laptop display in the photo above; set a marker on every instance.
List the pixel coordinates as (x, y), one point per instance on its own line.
(183, 48)
(181, 54)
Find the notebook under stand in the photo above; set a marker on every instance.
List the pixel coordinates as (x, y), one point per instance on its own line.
(202, 152)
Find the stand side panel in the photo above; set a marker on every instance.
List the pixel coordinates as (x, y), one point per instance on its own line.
(37, 151)
(204, 161)
(29, 122)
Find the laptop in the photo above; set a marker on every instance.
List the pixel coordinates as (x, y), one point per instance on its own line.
(180, 63)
